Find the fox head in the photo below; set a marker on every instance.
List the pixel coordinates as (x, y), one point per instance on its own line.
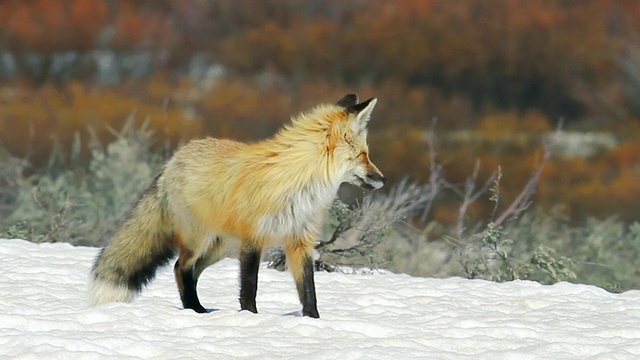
(349, 143)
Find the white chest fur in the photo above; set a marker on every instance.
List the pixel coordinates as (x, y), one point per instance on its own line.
(302, 214)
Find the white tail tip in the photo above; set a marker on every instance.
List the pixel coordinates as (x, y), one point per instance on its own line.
(101, 292)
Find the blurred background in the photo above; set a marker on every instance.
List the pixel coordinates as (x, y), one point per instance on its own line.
(494, 76)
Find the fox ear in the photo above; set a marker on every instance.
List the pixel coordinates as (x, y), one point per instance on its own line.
(348, 100)
(363, 111)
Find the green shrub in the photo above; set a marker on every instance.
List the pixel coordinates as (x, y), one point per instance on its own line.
(84, 204)
(496, 257)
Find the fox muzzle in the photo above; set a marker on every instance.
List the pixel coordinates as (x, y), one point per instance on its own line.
(372, 181)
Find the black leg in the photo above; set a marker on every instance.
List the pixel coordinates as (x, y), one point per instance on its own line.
(307, 290)
(249, 264)
(187, 287)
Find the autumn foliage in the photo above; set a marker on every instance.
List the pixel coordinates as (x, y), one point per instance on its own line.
(497, 76)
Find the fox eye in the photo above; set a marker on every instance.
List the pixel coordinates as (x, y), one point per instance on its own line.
(360, 154)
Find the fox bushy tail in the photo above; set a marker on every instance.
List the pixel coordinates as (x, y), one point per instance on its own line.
(129, 261)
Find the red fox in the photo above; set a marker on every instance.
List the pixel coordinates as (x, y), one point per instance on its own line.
(214, 191)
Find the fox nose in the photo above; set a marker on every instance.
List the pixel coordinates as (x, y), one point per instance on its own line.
(376, 177)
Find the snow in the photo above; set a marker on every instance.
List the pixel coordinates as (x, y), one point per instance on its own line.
(43, 314)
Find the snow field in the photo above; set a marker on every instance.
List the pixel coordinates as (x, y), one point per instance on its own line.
(43, 314)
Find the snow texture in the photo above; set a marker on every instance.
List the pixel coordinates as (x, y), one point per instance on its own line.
(43, 314)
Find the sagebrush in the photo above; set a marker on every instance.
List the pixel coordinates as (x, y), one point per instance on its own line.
(84, 203)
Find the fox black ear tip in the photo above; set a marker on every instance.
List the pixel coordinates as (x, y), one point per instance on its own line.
(348, 100)
(357, 108)
(370, 101)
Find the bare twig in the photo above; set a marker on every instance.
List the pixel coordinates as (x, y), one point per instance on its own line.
(521, 202)
(470, 196)
(435, 173)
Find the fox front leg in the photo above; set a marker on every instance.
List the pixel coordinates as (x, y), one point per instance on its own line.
(300, 260)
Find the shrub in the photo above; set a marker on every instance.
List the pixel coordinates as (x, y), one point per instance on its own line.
(495, 257)
(11, 173)
(83, 204)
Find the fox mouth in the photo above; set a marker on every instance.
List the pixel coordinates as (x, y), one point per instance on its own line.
(370, 182)
(364, 185)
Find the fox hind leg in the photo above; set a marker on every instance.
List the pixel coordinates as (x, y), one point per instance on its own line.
(187, 287)
(249, 265)
(188, 269)
(186, 279)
